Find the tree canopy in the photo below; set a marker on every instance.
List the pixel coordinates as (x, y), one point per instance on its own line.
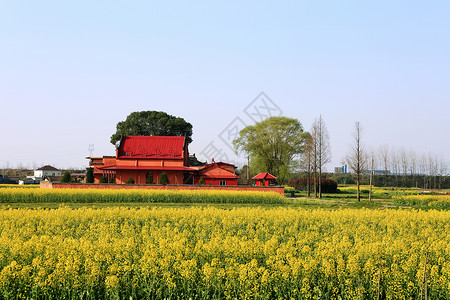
(272, 144)
(157, 123)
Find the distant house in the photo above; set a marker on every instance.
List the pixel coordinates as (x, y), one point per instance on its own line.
(142, 157)
(46, 171)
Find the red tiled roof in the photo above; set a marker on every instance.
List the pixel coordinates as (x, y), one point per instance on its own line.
(168, 147)
(227, 174)
(47, 168)
(223, 175)
(265, 175)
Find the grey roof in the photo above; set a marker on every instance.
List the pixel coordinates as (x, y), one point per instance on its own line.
(47, 168)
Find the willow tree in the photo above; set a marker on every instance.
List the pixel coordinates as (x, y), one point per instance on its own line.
(273, 145)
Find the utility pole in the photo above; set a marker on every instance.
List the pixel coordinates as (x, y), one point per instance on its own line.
(91, 149)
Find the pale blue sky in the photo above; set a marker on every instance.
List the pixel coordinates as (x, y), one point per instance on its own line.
(70, 71)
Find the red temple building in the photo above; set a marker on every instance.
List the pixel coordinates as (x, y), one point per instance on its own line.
(142, 157)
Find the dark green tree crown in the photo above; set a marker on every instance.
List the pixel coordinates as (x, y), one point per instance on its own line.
(152, 123)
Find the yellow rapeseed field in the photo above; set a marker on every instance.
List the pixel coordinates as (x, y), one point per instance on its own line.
(240, 253)
(439, 201)
(16, 195)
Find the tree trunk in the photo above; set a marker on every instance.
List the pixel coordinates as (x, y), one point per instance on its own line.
(315, 184)
(309, 183)
(357, 188)
(370, 181)
(320, 183)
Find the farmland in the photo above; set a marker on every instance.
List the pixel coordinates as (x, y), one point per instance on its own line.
(221, 250)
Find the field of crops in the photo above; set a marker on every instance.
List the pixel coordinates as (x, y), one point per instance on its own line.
(240, 253)
(20, 186)
(424, 201)
(380, 192)
(31, 195)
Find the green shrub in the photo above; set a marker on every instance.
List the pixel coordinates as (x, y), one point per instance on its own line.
(90, 175)
(163, 179)
(103, 179)
(66, 177)
(201, 181)
(130, 181)
(328, 185)
(149, 178)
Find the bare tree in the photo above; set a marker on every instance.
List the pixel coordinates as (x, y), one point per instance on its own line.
(443, 167)
(323, 152)
(395, 165)
(356, 159)
(314, 151)
(372, 162)
(404, 162)
(413, 165)
(433, 169)
(384, 160)
(307, 160)
(424, 169)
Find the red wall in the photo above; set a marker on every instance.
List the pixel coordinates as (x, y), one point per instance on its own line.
(175, 177)
(217, 181)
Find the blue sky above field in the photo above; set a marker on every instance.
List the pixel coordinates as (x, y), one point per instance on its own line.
(70, 71)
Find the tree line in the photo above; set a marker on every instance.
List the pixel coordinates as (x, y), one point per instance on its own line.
(289, 152)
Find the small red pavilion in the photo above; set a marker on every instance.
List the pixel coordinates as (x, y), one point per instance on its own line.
(263, 179)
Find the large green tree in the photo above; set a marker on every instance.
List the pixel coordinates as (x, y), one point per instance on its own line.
(152, 123)
(272, 145)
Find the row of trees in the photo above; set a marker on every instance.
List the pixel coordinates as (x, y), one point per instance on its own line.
(406, 167)
(316, 154)
(280, 146)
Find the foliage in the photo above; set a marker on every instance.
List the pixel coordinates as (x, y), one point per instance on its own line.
(149, 178)
(9, 195)
(148, 123)
(90, 175)
(164, 179)
(344, 179)
(66, 177)
(103, 179)
(272, 145)
(201, 181)
(328, 185)
(112, 179)
(130, 181)
(210, 253)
